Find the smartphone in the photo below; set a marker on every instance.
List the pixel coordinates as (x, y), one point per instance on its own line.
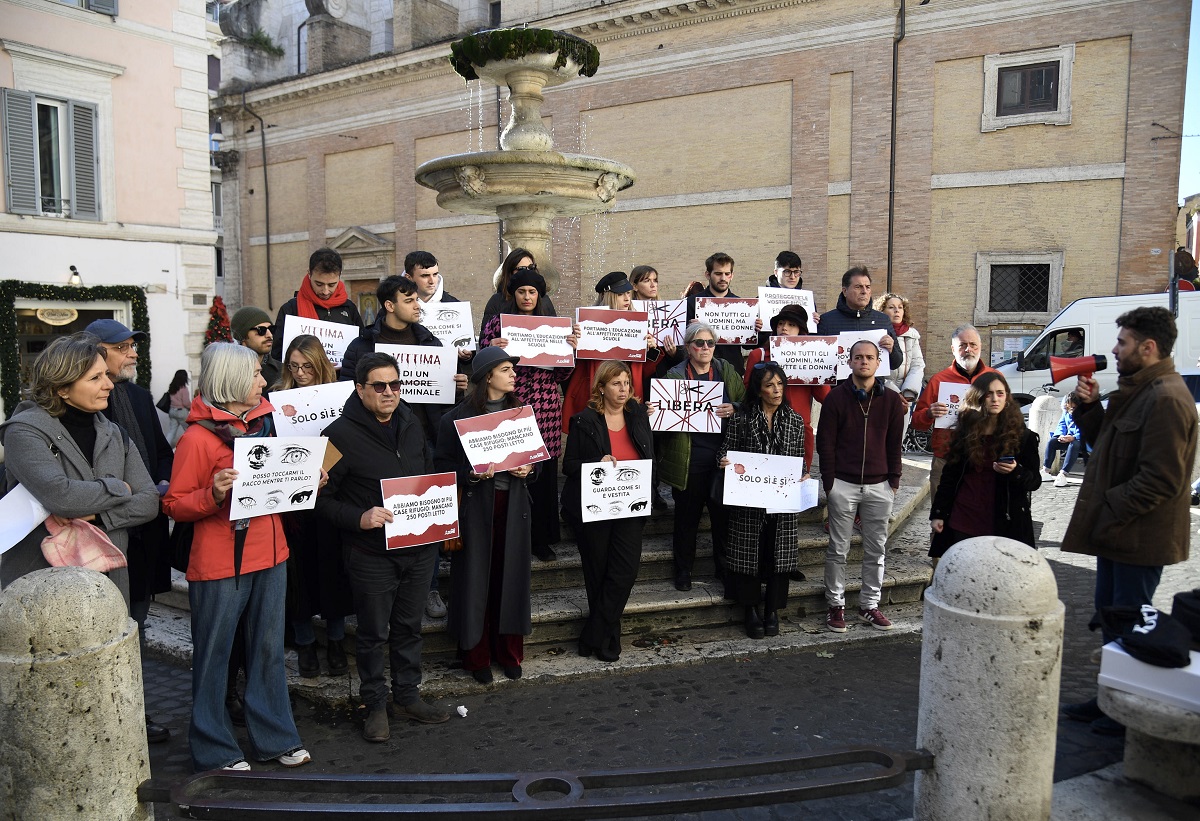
(1007, 459)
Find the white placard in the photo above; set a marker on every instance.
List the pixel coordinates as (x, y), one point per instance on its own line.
(667, 318)
(809, 489)
(450, 322)
(539, 341)
(335, 336)
(424, 509)
(846, 340)
(609, 491)
(732, 319)
(685, 405)
(806, 360)
(951, 395)
(308, 411)
(426, 372)
(766, 481)
(772, 300)
(275, 474)
(20, 513)
(608, 334)
(502, 440)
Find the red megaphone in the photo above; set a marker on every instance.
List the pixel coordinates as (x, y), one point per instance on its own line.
(1064, 367)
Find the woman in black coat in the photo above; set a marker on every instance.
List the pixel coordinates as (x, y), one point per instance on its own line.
(614, 427)
(489, 610)
(991, 469)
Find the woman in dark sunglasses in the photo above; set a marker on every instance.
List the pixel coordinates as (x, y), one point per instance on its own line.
(517, 260)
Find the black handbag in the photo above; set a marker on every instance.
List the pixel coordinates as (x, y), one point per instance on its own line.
(164, 404)
(181, 545)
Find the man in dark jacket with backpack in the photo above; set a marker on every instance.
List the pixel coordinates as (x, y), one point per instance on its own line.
(379, 438)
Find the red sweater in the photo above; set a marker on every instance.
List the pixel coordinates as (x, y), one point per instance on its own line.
(859, 440)
(923, 419)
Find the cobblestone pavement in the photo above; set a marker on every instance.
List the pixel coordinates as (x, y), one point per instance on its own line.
(766, 704)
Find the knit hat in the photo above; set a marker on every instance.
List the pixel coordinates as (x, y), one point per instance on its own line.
(522, 279)
(791, 313)
(488, 358)
(245, 319)
(615, 282)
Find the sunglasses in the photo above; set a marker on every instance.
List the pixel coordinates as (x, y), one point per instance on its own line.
(380, 387)
(527, 268)
(263, 330)
(704, 343)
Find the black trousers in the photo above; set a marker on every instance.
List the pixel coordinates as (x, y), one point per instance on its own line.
(689, 504)
(610, 553)
(749, 588)
(543, 506)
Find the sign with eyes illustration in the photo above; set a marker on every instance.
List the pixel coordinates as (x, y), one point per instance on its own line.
(617, 491)
(275, 475)
(450, 322)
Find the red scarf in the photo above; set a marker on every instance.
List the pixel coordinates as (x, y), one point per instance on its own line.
(307, 300)
(900, 329)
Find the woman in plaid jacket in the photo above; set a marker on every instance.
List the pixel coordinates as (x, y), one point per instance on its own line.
(762, 546)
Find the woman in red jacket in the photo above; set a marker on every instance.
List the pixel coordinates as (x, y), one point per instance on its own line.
(224, 582)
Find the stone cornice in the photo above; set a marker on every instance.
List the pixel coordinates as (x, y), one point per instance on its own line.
(59, 59)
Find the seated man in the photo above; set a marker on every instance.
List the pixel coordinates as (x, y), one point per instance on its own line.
(1065, 437)
(1074, 346)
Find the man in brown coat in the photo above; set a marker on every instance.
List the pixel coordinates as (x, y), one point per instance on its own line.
(1132, 513)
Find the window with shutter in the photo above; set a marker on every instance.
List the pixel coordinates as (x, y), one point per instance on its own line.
(20, 152)
(85, 162)
(103, 6)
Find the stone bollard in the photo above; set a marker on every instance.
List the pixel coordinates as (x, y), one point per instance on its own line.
(74, 734)
(991, 656)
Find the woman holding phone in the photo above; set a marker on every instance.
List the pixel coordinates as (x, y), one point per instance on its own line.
(991, 469)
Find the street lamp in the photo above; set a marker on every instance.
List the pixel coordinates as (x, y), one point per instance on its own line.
(75, 281)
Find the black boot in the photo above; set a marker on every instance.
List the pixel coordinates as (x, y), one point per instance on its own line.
(771, 623)
(754, 625)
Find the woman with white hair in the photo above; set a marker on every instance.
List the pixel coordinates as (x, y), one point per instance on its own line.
(235, 568)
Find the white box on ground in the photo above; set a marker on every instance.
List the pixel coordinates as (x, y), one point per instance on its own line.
(1179, 686)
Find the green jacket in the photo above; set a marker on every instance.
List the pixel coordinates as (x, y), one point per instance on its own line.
(675, 451)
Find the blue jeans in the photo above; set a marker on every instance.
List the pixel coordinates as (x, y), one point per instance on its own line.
(1053, 446)
(335, 630)
(216, 607)
(1124, 585)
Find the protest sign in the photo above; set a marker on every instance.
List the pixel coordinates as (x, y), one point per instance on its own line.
(807, 360)
(275, 475)
(426, 372)
(685, 405)
(667, 318)
(502, 440)
(424, 509)
(950, 395)
(20, 513)
(846, 340)
(609, 491)
(732, 320)
(609, 334)
(451, 323)
(307, 411)
(335, 336)
(763, 480)
(772, 300)
(809, 488)
(540, 341)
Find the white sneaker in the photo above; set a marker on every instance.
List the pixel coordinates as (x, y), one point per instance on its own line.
(240, 766)
(1061, 479)
(435, 608)
(1046, 477)
(295, 758)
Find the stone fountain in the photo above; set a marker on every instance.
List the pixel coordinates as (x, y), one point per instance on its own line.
(526, 183)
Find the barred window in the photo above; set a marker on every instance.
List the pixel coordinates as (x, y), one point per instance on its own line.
(1019, 288)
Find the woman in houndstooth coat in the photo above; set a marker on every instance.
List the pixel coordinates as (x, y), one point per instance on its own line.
(762, 546)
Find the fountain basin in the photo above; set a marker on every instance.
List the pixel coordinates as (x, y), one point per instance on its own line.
(487, 182)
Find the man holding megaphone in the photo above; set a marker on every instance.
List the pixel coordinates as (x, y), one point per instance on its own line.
(1132, 513)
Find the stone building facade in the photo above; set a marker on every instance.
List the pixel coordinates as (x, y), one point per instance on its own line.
(1025, 171)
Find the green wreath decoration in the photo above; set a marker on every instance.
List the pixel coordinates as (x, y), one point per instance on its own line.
(10, 353)
(512, 44)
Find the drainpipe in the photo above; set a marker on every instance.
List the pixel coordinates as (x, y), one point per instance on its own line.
(892, 161)
(298, 28)
(262, 135)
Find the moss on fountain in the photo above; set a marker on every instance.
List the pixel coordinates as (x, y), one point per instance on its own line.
(513, 44)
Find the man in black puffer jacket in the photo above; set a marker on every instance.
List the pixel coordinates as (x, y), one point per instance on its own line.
(380, 438)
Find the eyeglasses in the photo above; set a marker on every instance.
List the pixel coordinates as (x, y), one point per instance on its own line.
(263, 330)
(303, 366)
(380, 387)
(792, 271)
(704, 343)
(124, 346)
(526, 269)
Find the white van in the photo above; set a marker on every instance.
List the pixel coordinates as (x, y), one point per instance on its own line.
(1089, 326)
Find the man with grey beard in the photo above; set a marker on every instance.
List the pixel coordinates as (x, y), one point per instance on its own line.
(967, 365)
(132, 407)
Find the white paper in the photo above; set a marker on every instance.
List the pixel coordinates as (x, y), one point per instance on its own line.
(538, 341)
(809, 489)
(609, 491)
(608, 334)
(426, 372)
(275, 475)
(731, 318)
(335, 336)
(667, 318)
(20, 513)
(502, 440)
(686, 405)
(806, 360)
(451, 322)
(308, 411)
(763, 480)
(846, 340)
(424, 509)
(951, 395)
(772, 300)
